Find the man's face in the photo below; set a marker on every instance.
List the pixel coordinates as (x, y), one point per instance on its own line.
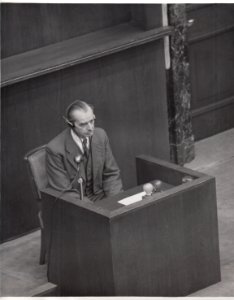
(84, 122)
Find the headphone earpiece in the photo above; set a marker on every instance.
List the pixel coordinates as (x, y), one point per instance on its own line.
(70, 124)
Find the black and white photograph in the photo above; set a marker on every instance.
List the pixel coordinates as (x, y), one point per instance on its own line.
(117, 149)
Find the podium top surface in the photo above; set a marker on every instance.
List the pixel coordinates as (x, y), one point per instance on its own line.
(149, 169)
(111, 208)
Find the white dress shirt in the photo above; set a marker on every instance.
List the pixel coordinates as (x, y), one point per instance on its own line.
(79, 141)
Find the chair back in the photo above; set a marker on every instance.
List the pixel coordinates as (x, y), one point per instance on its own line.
(36, 161)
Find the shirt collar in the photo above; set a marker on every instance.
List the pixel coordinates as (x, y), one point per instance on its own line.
(78, 140)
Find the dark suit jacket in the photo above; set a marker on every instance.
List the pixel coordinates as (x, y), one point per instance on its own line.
(62, 167)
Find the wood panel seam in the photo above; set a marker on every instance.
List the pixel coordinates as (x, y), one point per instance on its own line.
(213, 106)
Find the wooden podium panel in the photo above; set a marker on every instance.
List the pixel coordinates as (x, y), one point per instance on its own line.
(164, 245)
(79, 255)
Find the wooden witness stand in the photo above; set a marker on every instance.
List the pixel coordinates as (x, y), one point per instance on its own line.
(164, 245)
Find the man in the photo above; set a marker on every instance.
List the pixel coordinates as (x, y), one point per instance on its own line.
(80, 160)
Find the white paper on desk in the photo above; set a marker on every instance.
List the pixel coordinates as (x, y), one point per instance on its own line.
(132, 199)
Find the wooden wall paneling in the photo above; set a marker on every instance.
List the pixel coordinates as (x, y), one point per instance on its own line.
(75, 51)
(131, 109)
(212, 65)
(51, 23)
(26, 124)
(190, 7)
(209, 20)
(137, 126)
(146, 16)
(212, 77)
(211, 44)
(119, 88)
(213, 121)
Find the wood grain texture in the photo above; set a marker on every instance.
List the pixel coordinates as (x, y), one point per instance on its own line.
(75, 51)
(209, 21)
(149, 169)
(211, 56)
(164, 246)
(190, 7)
(52, 23)
(213, 106)
(169, 248)
(212, 65)
(33, 108)
(79, 249)
(126, 104)
(214, 121)
(147, 16)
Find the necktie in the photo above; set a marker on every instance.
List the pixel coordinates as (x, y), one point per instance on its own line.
(85, 147)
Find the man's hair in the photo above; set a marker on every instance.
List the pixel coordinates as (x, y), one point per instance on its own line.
(77, 105)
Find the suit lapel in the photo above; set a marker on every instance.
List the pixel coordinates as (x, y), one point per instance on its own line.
(97, 153)
(72, 149)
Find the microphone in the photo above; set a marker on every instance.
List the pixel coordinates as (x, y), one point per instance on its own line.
(157, 186)
(148, 189)
(78, 160)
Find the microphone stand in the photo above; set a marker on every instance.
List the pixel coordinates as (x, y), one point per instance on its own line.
(78, 159)
(80, 181)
